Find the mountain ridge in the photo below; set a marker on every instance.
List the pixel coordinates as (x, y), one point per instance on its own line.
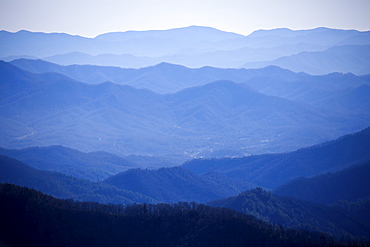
(190, 46)
(296, 214)
(272, 170)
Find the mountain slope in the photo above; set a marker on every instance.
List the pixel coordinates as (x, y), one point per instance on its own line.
(294, 213)
(91, 166)
(273, 170)
(354, 59)
(174, 184)
(351, 184)
(32, 218)
(62, 186)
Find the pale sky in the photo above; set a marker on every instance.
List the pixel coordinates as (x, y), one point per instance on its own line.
(92, 17)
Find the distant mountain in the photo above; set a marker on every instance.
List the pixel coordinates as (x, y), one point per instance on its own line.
(283, 36)
(320, 35)
(150, 43)
(191, 34)
(93, 166)
(332, 91)
(345, 59)
(235, 57)
(273, 170)
(175, 184)
(351, 184)
(192, 46)
(62, 186)
(293, 213)
(303, 87)
(32, 218)
(161, 78)
(53, 109)
(194, 58)
(38, 44)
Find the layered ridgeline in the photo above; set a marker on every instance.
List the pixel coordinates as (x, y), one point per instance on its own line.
(94, 166)
(216, 119)
(91, 166)
(63, 186)
(177, 184)
(273, 170)
(203, 180)
(348, 58)
(47, 221)
(133, 186)
(195, 47)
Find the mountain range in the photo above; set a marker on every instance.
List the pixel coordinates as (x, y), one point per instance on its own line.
(345, 59)
(201, 180)
(170, 78)
(145, 118)
(194, 47)
(342, 218)
(168, 185)
(53, 109)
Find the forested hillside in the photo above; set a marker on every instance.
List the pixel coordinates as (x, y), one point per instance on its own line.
(92, 166)
(351, 184)
(273, 170)
(62, 186)
(31, 218)
(298, 214)
(176, 184)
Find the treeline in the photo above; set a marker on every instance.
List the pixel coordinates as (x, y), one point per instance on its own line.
(30, 218)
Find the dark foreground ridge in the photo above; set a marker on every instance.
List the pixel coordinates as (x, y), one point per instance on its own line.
(30, 218)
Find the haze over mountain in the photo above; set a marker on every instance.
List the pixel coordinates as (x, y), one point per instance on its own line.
(346, 59)
(345, 93)
(49, 109)
(79, 131)
(93, 166)
(273, 170)
(192, 46)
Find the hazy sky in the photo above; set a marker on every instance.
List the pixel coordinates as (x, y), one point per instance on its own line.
(93, 17)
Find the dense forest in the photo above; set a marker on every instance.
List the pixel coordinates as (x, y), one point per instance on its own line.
(30, 218)
(351, 184)
(340, 219)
